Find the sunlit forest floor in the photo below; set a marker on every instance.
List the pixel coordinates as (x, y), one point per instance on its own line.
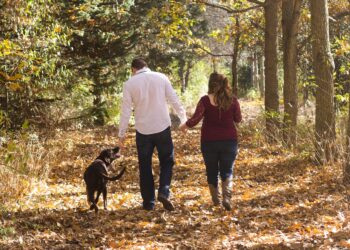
(281, 200)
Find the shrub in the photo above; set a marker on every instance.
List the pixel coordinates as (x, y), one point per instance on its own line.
(24, 158)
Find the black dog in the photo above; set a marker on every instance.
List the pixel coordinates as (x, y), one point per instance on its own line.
(96, 176)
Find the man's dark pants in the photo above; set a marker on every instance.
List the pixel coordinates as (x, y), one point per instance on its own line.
(145, 147)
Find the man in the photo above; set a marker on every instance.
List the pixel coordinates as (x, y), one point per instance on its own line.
(148, 93)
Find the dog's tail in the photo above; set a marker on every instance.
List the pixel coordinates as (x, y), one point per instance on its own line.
(114, 178)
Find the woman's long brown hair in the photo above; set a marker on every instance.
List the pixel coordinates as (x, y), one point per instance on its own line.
(221, 89)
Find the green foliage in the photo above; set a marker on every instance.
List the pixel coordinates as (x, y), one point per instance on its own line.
(198, 84)
(252, 94)
(4, 120)
(30, 64)
(244, 78)
(7, 231)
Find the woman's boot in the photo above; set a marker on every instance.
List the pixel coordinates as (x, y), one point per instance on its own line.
(227, 193)
(215, 194)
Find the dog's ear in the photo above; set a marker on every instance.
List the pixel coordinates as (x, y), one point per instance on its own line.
(105, 156)
(116, 150)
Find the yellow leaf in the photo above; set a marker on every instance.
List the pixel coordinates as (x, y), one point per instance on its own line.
(295, 227)
(7, 43)
(83, 7)
(15, 77)
(247, 196)
(13, 86)
(4, 75)
(57, 29)
(286, 204)
(143, 224)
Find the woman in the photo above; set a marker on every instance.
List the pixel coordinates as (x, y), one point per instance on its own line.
(220, 110)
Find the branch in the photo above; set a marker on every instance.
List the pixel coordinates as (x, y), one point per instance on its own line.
(256, 25)
(212, 54)
(257, 2)
(229, 9)
(108, 3)
(342, 14)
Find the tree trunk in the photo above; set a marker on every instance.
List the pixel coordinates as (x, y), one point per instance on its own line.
(323, 66)
(290, 20)
(235, 59)
(97, 110)
(181, 72)
(255, 75)
(234, 75)
(187, 73)
(271, 80)
(261, 76)
(214, 64)
(347, 153)
(184, 72)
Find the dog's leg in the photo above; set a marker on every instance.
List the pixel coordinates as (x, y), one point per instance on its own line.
(98, 196)
(104, 192)
(90, 198)
(94, 202)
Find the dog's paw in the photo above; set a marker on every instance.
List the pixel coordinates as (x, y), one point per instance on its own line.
(94, 207)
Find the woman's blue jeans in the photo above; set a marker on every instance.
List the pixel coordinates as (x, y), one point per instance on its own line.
(145, 147)
(219, 157)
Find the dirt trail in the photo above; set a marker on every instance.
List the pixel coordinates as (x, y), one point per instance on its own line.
(280, 201)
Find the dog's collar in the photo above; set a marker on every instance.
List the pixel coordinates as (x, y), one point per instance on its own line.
(101, 161)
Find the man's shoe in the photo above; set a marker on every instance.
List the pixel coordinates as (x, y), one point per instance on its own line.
(166, 203)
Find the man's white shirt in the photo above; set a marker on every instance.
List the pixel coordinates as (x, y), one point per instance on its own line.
(149, 92)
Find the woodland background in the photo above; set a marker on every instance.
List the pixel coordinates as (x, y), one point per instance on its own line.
(62, 68)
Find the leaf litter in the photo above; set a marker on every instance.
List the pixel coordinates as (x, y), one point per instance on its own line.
(280, 201)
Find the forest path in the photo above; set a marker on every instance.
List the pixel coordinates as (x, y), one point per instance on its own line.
(280, 201)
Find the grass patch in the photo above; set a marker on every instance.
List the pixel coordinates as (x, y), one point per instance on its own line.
(7, 231)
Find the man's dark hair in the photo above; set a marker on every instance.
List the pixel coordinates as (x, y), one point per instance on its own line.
(138, 63)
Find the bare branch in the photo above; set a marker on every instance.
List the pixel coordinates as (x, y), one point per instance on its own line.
(342, 14)
(257, 2)
(229, 9)
(212, 54)
(257, 25)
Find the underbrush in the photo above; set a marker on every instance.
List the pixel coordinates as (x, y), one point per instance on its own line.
(305, 133)
(24, 159)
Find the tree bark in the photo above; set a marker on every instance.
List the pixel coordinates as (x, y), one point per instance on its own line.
(181, 72)
(255, 71)
(235, 59)
(261, 76)
(347, 153)
(271, 80)
(187, 73)
(184, 72)
(97, 110)
(323, 66)
(290, 20)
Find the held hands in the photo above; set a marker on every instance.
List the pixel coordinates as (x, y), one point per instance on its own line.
(183, 128)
